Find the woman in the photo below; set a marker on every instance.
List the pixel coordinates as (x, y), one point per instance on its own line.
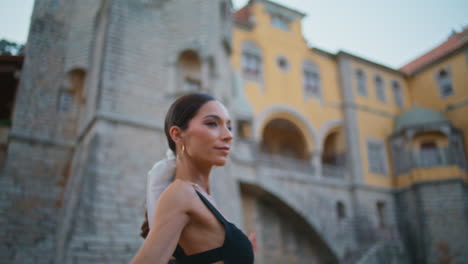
(186, 224)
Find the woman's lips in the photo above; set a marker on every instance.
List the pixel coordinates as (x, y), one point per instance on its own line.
(223, 149)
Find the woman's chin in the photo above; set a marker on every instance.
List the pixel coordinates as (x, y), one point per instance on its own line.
(220, 161)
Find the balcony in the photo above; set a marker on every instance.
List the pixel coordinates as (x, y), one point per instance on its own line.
(406, 161)
(284, 162)
(332, 167)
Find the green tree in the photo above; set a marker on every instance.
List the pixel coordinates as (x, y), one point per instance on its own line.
(10, 48)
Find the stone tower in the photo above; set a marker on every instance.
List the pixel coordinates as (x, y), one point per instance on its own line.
(88, 123)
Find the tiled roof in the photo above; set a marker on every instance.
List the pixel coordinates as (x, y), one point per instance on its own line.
(10, 63)
(454, 42)
(242, 16)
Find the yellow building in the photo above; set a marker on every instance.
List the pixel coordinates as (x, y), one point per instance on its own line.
(337, 159)
(311, 105)
(397, 132)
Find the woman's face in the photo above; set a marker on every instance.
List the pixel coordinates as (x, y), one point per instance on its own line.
(208, 137)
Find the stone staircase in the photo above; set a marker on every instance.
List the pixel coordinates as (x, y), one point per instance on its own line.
(387, 252)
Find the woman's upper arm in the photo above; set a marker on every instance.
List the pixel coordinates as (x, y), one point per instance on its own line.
(170, 217)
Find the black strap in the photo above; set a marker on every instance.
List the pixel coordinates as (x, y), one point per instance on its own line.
(212, 208)
(209, 256)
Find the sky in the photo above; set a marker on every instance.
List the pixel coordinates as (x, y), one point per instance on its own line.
(391, 33)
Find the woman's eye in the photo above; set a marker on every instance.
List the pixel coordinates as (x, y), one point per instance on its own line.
(230, 128)
(213, 124)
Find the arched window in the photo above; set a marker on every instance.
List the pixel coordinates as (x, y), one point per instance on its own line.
(189, 71)
(311, 79)
(361, 82)
(251, 60)
(73, 93)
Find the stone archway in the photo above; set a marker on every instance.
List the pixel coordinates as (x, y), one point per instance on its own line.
(283, 235)
(282, 137)
(286, 112)
(334, 147)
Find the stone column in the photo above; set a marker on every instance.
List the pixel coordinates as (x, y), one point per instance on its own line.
(316, 160)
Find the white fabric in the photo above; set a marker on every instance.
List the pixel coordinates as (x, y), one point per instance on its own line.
(159, 177)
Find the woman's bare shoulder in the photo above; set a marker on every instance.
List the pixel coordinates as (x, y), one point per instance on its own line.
(180, 194)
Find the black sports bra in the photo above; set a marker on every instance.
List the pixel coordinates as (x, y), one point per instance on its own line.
(236, 248)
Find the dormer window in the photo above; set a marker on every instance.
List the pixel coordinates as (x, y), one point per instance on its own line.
(280, 22)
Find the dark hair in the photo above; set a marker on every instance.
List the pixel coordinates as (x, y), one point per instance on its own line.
(182, 111)
(179, 114)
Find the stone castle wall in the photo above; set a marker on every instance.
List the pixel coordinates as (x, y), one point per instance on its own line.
(433, 217)
(72, 186)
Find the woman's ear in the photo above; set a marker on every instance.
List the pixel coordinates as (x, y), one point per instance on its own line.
(176, 134)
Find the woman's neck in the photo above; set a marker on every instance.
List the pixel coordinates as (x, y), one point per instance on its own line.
(188, 170)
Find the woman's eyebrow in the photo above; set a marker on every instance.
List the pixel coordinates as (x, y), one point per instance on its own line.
(215, 117)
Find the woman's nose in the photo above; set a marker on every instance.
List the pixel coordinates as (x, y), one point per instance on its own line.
(227, 134)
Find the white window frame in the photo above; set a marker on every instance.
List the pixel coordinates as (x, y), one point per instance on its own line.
(361, 83)
(442, 82)
(311, 80)
(251, 64)
(251, 61)
(379, 85)
(397, 93)
(382, 153)
(280, 22)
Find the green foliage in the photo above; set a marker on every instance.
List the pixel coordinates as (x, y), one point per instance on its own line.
(10, 48)
(5, 123)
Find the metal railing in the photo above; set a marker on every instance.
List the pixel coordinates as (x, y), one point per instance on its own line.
(284, 162)
(334, 166)
(334, 171)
